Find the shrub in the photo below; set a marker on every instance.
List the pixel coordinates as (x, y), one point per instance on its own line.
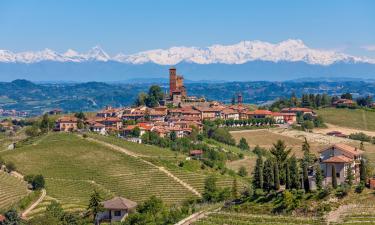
(10, 166)
(359, 188)
(342, 190)
(37, 181)
(242, 171)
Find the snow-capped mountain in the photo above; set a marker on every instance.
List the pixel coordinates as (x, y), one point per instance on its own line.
(243, 52)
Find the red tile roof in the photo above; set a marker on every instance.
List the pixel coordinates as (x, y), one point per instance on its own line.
(338, 159)
(345, 148)
(119, 203)
(196, 152)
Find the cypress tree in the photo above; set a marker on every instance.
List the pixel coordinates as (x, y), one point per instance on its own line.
(362, 171)
(318, 177)
(268, 175)
(306, 184)
(349, 176)
(287, 178)
(277, 176)
(281, 153)
(294, 173)
(334, 177)
(258, 173)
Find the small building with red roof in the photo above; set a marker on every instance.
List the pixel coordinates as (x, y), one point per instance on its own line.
(343, 157)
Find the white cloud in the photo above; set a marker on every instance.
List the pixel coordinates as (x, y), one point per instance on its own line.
(369, 47)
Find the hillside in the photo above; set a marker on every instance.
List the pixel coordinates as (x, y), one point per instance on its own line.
(352, 118)
(12, 190)
(36, 98)
(73, 167)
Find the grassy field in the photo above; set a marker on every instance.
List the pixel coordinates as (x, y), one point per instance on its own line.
(74, 167)
(266, 139)
(12, 190)
(353, 118)
(221, 218)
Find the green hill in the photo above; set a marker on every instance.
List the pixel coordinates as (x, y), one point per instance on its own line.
(73, 167)
(352, 118)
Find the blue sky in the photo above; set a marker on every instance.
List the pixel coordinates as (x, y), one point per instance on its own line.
(132, 26)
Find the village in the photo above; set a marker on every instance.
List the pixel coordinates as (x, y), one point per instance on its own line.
(184, 113)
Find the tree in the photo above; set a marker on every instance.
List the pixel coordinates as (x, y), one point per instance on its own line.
(362, 171)
(211, 191)
(141, 99)
(287, 178)
(32, 131)
(12, 218)
(95, 206)
(268, 175)
(235, 189)
(45, 124)
(258, 173)
(306, 161)
(306, 183)
(347, 96)
(55, 210)
(349, 175)
(318, 177)
(242, 171)
(281, 153)
(277, 176)
(334, 176)
(38, 182)
(80, 115)
(243, 144)
(173, 136)
(136, 132)
(294, 173)
(10, 166)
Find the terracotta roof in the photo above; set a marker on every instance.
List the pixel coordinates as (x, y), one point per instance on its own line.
(345, 148)
(119, 203)
(196, 152)
(338, 159)
(296, 109)
(67, 119)
(97, 125)
(260, 112)
(229, 111)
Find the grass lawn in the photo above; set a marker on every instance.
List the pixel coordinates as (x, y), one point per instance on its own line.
(74, 167)
(266, 139)
(353, 118)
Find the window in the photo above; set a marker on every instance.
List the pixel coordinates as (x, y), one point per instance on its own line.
(117, 213)
(338, 175)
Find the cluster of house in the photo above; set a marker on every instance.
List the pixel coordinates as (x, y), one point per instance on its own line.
(180, 120)
(12, 113)
(187, 112)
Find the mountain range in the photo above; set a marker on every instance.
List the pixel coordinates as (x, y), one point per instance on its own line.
(247, 60)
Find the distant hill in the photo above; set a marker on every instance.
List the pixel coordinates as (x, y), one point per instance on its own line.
(37, 98)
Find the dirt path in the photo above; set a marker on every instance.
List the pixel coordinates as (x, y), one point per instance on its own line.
(336, 215)
(35, 204)
(196, 216)
(138, 156)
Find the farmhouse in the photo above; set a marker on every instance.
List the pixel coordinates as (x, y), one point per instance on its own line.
(67, 123)
(116, 210)
(343, 103)
(343, 158)
(110, 112)
(297, 110)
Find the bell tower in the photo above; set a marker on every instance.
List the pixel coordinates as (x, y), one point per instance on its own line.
(172, 80)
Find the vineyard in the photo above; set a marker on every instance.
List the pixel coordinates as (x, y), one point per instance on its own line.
(221, 218)
(12, 190)
(74, 167)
